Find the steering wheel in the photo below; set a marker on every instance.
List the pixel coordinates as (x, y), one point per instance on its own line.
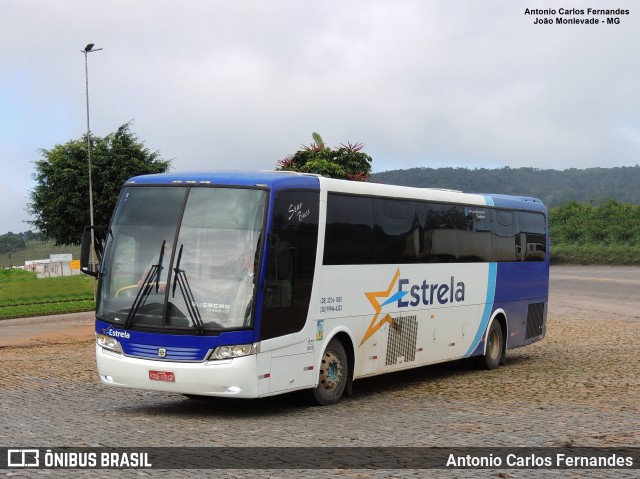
(130, 290)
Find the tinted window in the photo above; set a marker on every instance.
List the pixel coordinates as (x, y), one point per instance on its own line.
(291, 262)
(396, 231)
(505, 229)
(349, 233)
(533, 240)
(474, 239)
(363, 230)
(532, 222)
(439, 226)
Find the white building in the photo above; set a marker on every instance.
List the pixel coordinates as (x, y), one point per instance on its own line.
(56, 265)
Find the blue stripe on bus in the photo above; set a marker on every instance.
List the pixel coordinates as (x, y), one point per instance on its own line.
(488, 308)
(179, 347)
(488, 304)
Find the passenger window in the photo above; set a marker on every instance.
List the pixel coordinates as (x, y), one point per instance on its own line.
(363, 230)
(439, 224)
(504, 247)
(349, 232)
(474, 238)
(532, 241)
(397, 233)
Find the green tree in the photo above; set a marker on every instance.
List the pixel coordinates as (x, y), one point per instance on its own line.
(610, 223)
(345, 162)
(570, 222)
(615, 222)
(11, 242)
(60, 199)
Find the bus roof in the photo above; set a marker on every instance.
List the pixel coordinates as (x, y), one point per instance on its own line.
(288, 179)
(517, 202)
(270, 179)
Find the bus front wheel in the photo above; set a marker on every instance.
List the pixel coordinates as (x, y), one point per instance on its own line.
(494, 352)
(333, 376)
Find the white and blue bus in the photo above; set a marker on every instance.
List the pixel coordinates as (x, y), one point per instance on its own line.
(247, 285)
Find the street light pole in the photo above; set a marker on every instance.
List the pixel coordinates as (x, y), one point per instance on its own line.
(89, 49)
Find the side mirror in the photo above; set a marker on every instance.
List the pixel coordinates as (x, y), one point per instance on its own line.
(98, 234)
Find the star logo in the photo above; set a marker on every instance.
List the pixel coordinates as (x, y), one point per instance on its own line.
(373, 296)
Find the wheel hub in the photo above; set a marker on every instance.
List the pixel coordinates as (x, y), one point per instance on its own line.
(330, 370)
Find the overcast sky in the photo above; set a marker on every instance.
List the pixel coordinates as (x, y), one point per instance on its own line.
(241, 84)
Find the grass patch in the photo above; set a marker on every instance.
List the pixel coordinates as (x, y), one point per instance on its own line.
(23, 294)
(44, 309)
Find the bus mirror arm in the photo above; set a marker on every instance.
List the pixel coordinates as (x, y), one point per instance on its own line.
(98, 234)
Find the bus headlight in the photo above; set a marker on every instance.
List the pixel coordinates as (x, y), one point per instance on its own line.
(229, 352)
(107, 342)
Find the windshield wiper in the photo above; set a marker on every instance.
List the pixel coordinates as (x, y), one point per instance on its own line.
(147, 285)
(180, 279)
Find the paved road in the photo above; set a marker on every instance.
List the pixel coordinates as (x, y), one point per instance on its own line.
(608, 289)
(31, 330)
(572, 389)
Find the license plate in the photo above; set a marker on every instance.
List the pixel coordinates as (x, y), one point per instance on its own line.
(162, 376)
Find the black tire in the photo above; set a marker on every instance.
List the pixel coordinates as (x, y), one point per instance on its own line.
(494, 352)
(333, 375)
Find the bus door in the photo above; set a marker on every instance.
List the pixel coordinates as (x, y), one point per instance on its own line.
(291, 263)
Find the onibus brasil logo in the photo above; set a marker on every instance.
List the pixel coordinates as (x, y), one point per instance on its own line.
(424, 293)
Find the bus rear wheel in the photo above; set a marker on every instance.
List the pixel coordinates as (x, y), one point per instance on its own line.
(494, 352)
(333, 375)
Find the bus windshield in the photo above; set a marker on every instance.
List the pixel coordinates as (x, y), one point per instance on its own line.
(182, 258)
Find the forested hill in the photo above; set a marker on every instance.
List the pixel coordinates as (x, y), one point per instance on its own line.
(554, 187)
